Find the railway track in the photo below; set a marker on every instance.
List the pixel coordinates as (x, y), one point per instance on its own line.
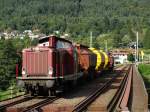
(80, 103)
(131, 96)
(84, 104)
(81, 100)
(120, 68)
(7, 103)
(120, 100)
(31, 105)
(110, 92)
(36, 107)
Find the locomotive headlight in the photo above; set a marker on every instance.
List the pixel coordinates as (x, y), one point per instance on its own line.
(50, 70)
(23, 71)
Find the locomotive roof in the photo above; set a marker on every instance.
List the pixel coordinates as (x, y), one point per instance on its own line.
(53, 36)
(81, 45)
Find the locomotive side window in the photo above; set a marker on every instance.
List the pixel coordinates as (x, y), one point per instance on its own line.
(61, 44)
(67, 45)
(44, 42)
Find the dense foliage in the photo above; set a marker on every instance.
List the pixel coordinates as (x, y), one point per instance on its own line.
(10, 55)
(144, 69)
(118, 18)
(131, 57)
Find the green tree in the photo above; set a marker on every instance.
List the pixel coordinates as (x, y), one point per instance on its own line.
(146, 40)
(130, 57)
(126, 40)
(8, 59)
(117, 41)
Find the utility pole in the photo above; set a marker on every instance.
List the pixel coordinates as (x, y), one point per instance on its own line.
(91, 39)
(137, 38)
(135, 52)
(106, 48)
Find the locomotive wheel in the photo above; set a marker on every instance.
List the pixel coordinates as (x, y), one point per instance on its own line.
(40, 91)
(74, 83)
(31, 92)
(51, 92)
(65, 88)
(36, 89)
(45, 91)
(26, 91)
(91, 75)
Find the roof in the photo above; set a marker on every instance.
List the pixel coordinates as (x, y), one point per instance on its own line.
(57, 38)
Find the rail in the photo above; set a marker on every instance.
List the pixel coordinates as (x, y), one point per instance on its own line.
(83, 104)
(126, 93)
(116, 101)
(122, 104)
(36, 107)
(131, 96)
(23, 99)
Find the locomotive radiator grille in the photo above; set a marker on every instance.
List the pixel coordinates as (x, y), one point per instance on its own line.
(37, 63)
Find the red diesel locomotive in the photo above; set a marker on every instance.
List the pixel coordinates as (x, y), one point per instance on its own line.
(56, 61)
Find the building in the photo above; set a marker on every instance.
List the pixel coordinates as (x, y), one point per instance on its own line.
(120, 56)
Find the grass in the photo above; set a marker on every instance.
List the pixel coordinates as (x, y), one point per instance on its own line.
(146, 51)
(144, 69)
(10, 93)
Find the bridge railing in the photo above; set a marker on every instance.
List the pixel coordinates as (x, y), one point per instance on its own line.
(139, 95)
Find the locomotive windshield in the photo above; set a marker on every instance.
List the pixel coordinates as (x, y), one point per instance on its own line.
(62, 44)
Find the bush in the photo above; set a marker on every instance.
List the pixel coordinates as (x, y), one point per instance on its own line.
(144, 69)
(130, 57)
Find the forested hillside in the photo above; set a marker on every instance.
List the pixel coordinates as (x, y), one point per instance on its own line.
(119, 18)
